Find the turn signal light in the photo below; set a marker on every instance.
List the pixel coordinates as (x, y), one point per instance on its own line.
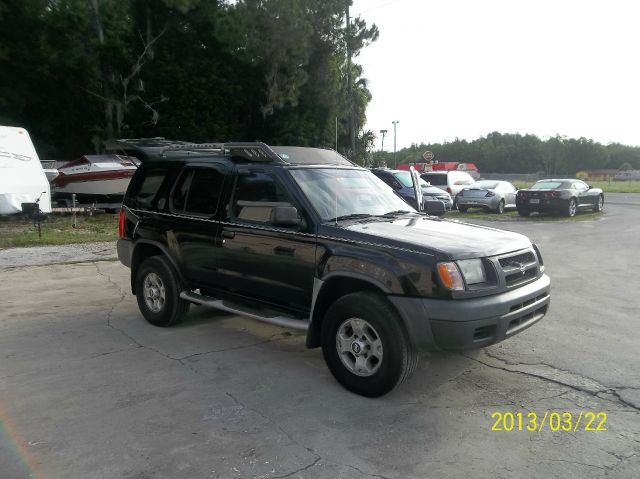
(450, 276)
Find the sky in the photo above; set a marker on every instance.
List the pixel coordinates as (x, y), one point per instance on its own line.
(447, 69)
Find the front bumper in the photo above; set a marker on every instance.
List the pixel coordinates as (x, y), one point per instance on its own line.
(435, 324)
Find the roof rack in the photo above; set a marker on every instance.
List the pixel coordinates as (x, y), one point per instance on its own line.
(253, 151)
(159, 147)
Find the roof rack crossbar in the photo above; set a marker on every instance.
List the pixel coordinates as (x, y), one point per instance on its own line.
(252, 151)
(193, 147)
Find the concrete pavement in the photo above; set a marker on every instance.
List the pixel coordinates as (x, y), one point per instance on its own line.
(89, 390)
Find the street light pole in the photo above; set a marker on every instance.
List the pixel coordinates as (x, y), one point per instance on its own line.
(383, 133)
(395, 164)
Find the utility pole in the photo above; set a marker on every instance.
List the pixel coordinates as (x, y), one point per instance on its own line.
(352, 119)
(395, 162)
(383, 133)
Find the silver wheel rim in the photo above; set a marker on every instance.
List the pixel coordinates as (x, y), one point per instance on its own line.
(359, 347)
(500, 207)
(154, 292)
(600, 203)
(572, 208)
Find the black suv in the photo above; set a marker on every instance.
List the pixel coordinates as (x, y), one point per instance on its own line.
(303, 238)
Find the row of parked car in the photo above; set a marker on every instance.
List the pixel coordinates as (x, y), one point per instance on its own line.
(458, 190)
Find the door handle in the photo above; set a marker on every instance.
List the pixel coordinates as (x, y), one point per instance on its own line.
(228, 234)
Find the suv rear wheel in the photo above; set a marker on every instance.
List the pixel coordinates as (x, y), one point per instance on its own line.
(365, 346)
(158, 292)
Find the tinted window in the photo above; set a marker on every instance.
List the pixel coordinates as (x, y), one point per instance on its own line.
(256, 195)
(435, 179)
(197, 191)
(546, 185)
(204, 192)
(146, 187)
(179, 194)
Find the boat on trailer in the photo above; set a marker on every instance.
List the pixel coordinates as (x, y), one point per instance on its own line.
(95, 178)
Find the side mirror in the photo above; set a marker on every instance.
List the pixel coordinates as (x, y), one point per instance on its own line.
(285, 216)
(435, 207)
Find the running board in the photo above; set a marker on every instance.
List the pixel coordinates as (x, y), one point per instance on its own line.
(278, 320)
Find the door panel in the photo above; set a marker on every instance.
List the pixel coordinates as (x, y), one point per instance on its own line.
(196, 203)
(256, 259)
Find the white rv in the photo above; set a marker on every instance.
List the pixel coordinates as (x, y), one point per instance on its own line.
(22, 179)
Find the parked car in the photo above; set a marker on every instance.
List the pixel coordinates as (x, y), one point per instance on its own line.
(564, 196)
(401, 182)
(451, 181)
(489, 195)
(303, 238)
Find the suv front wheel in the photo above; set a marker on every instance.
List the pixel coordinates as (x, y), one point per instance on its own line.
(364, 344)
(158, 292)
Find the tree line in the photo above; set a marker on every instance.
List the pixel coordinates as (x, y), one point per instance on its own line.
(516, 153)
(79, 72)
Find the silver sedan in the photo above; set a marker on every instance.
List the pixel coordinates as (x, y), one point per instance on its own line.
(491, 195)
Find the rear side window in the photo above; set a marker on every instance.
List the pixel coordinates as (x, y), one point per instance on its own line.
(146, 187)
(198, 191)
(439, 180)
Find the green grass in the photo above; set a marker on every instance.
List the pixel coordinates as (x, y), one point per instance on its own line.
(606, 186)
(511, 216)
(58, 229)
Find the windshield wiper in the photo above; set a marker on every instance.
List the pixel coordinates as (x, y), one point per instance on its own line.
(353, 216)
(396, 213)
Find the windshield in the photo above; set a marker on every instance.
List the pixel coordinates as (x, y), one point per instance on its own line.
(335, 193)
(404, 177)
(546, 185)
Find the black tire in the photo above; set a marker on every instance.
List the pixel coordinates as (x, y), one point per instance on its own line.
(597, 208)
(399, 359)
(158, 292)
(524, 213)
(572, 207)
(462, 209)
(500, 208)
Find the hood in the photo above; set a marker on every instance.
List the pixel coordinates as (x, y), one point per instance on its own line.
(445, 238)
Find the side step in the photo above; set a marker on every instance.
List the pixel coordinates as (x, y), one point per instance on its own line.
(275, 318)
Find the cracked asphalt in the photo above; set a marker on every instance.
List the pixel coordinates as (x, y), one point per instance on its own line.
(88, 389)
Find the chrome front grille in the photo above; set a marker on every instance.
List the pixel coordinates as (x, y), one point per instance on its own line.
(519, 268)
(516, 260)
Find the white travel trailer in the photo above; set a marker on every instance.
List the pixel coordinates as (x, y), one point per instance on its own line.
(22, 179)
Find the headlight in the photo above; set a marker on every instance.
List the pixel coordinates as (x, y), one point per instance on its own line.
(450, 276)
(472, 270)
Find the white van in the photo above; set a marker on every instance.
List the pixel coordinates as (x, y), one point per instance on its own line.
(22, 179)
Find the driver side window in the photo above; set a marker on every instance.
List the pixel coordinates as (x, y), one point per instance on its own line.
(255, 196)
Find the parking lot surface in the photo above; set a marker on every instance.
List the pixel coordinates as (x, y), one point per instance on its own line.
(88, 389)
